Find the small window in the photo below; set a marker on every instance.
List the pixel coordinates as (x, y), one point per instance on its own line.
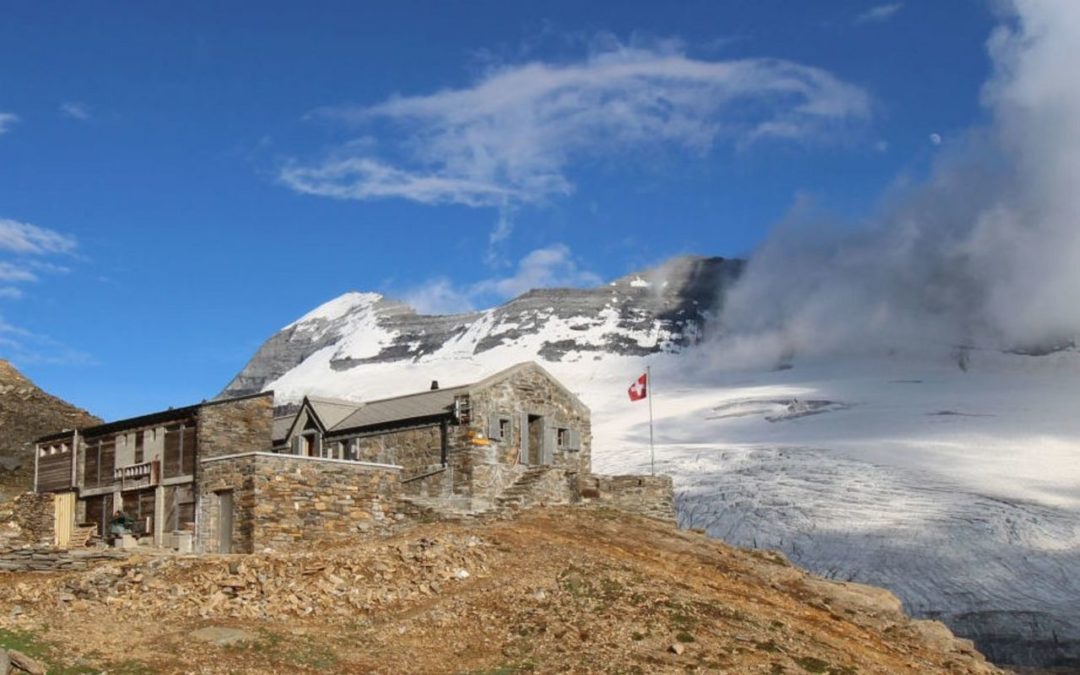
(569, 439)
(138, 447)
(499, 428)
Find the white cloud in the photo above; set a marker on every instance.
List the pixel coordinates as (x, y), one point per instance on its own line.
(552, 266)
(879, 13)
(75, 110)
(12, 272)
(986, 252)
(512, 136)
(30, 239)
(935, 139)
(6, 122)
(24, 247)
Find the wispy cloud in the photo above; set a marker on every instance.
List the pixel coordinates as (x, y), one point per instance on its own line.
(25, 250)
(7, 120)
(512, 137)
(25, 347)
(552, 266)
(75, 110)
(25, 238)
(879, 13)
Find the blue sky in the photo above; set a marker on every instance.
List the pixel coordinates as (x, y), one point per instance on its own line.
(178, 181)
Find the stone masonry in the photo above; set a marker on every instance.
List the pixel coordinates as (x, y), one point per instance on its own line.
(236, 426)
(648, 495)
(286, 502)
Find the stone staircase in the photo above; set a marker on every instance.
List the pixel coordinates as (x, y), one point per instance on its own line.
(520, 494)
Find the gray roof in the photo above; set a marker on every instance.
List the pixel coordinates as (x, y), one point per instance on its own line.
(400, 408)
(333, 410)
(281, 427)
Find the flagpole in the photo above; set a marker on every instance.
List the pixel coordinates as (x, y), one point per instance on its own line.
(649, 394)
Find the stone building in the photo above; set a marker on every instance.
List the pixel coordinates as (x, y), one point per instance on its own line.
(465, 445)
(230, 476)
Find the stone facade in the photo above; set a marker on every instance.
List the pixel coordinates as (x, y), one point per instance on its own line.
(652, 496)
(35, 515)
(285, 502)
(235, 426)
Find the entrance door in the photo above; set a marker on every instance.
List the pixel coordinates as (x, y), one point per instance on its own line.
(536, 440)
(63, 518)
(225, 521)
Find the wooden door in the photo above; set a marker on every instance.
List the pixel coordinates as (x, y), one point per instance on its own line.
(225, 521)
(63, 518)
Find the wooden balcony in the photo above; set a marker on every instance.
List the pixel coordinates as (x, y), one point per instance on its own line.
(146, 474)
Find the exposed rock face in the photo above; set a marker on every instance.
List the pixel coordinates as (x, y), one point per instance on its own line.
(27, 412)
(656, 310)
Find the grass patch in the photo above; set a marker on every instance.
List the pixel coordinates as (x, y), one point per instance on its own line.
(683, 636)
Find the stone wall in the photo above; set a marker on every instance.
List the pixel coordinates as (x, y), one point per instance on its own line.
(55, 560)
(652, 496)
(285, 502)
(417, 450)
(236, 426)
(35, 516)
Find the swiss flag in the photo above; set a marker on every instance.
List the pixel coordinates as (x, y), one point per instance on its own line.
(640, 388)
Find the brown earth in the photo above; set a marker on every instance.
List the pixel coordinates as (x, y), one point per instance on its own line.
(27, 413)
(553, 590)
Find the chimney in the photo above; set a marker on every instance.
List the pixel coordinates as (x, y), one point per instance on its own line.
(434, 385)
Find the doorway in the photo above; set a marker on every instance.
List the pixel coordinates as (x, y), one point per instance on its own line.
(225, 521)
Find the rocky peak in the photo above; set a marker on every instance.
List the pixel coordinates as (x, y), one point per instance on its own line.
(655, 310)
(27, 412)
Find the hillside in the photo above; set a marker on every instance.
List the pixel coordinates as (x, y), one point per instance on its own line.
(27, 412)
(955, 488)
(554, 590)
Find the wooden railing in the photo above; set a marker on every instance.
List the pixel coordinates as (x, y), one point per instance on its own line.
(146, 474)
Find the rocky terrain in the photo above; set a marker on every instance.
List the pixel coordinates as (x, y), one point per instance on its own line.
(553, 590)
(27, 412)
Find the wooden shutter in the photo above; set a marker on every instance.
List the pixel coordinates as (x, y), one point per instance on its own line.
(187, 451)
(172, 452)
(550, 435)
(524, 455)
(91, 464)
(108, 461)
(574, 440)
(494, 430)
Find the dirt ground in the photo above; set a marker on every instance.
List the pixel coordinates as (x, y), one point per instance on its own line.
(553, 590)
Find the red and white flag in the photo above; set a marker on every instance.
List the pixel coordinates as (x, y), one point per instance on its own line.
(640, 388)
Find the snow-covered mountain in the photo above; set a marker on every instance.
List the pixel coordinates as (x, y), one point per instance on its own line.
(958, 489)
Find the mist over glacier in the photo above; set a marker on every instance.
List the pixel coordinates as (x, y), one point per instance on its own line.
(985, 251)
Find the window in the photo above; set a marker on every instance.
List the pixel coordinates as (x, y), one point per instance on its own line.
(500, 428)
(569, 439)
(138, 447)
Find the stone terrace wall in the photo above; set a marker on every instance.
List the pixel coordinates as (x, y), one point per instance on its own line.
(51, 559)
(285, 502)
(234, 427)
(652, 496)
